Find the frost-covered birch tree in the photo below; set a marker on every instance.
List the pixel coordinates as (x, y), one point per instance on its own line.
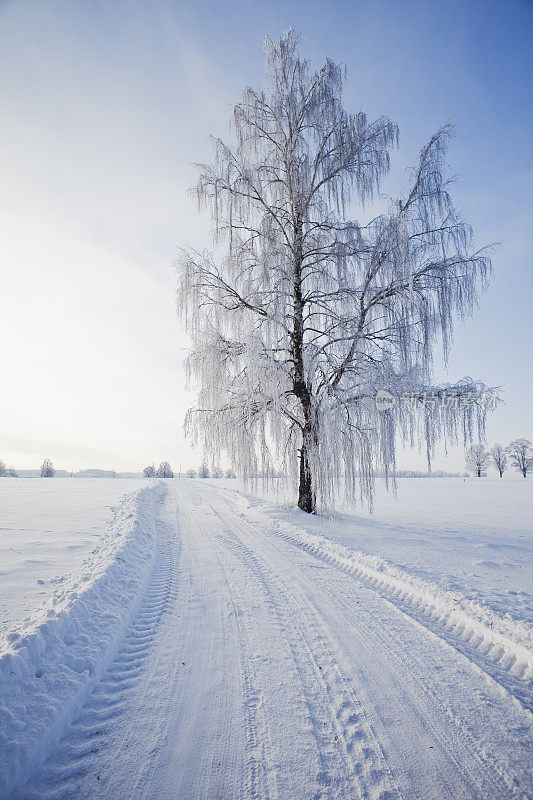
(521, 455)
(499, 458)
(477, 459)
(304, 313)
(164, 470)
(204, 471)
(47, 469)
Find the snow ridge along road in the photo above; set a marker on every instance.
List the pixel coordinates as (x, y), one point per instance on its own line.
(501, 646)
(49, 665)
(257, 662)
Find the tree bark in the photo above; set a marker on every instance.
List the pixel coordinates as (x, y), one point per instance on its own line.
(306, 489)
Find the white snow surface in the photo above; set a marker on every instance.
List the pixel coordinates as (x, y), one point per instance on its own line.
(48, 667)
(47, 527)
(473, 536)
(214, 646)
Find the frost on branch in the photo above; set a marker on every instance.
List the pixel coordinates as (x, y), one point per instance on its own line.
(309, 312)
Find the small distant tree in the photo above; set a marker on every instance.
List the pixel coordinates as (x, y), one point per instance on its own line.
(47, 469)
(164, 470)
(12, 472)
(521, 454)
(230, 473)
(191, 473)
(203, 472)
(149, 472)
(217, 473)
(477, 459)
(499, 458)
(3, 469)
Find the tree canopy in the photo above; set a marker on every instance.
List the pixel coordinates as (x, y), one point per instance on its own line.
(306, 312)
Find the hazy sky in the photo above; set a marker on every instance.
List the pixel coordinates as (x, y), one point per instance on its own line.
(105, 106)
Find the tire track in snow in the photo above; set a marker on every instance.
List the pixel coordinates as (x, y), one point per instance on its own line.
(363, 765)
(501, 784)
(499, 781)
(489, 642)
(75, 757)
(261, 779)
(254, 609)
(494, 660)
(355, 762)
(268, 604)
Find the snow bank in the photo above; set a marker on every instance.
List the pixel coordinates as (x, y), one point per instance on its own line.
(497, 639)
(510, 641)
(47, 528)
(49, 665)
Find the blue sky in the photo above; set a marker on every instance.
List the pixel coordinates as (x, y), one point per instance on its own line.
(104, 108)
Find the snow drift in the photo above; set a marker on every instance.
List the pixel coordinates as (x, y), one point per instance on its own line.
(49, 666)
(500, 645)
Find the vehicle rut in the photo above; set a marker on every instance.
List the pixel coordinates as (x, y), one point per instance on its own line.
(75, 757)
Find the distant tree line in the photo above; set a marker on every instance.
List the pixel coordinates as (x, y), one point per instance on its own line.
(7, 472)
(164, 470)
(435, 473)
(519, 453)
(205, 472)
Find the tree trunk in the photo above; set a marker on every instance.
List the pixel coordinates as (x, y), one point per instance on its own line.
(306, 488)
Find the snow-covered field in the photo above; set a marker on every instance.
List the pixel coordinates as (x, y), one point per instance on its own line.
(205, 645)
(47, 528)
(474, 536)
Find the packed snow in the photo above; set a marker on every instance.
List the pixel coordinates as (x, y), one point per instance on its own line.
(470, 535)
(211, 645)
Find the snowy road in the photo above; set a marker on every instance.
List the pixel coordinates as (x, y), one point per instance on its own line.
(258, 668)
